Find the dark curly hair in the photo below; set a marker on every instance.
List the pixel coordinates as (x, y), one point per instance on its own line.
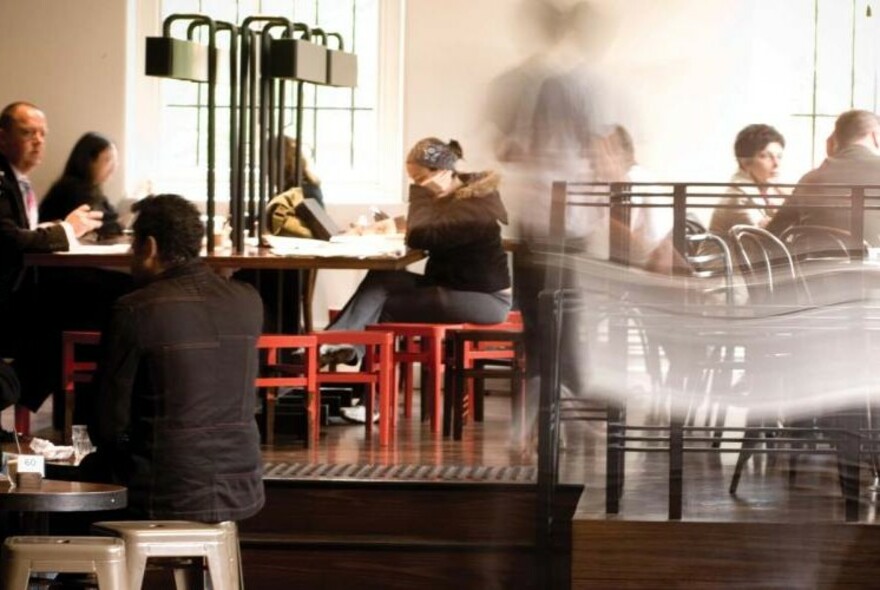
(754, 138)
(175, 225)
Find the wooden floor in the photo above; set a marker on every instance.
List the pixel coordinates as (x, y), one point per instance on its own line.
(740, 536)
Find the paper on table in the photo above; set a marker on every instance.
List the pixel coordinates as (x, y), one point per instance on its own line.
(345, 246)
(98, 249)
(50, 450)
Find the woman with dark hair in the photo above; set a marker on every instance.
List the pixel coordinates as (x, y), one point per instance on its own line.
(758, 149)
(90, 164)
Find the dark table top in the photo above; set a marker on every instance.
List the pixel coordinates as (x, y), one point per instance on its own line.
(63, 496)
(252, 257)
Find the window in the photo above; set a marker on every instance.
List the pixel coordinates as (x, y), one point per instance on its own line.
(348, 130)
(837, 70)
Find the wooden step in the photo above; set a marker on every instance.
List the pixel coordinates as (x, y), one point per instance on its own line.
(381, 533)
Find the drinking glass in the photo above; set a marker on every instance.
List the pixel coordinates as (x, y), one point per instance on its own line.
(82, 444)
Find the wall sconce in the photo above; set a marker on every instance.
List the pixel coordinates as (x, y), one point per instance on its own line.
(298, 59)
(178, 59)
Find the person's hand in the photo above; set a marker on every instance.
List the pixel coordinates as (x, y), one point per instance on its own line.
(386, 226)
(83, 220)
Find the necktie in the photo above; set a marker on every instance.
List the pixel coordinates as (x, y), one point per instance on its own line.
(30, 203)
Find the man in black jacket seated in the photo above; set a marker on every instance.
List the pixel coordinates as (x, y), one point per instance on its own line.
(175, 413)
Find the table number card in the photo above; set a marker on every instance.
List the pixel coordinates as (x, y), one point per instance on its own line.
(32, 464)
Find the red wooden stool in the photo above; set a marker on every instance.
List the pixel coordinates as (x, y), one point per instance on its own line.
(377, 372)
(275, 373)
(22, 420)
(423, 343)
(73, 371)
(420, 343)
(463, 349)
(483, 353)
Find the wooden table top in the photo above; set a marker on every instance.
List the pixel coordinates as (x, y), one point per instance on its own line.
(253, 257)
(63, 496)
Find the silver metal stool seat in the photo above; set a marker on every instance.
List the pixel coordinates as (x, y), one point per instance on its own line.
(102, 556)
(216, 543)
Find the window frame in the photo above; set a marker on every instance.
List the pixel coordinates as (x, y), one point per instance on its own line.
(143, 172)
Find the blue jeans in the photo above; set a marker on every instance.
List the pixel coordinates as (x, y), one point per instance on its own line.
(396, 296)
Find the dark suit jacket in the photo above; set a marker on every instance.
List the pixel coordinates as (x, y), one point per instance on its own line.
(15, 237)
(851, 165)
(175, 414)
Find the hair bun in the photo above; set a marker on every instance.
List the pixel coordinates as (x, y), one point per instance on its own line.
(455, 148)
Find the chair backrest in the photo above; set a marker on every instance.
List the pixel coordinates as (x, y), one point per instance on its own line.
(809, 242)
(708, 256)
(766, 265)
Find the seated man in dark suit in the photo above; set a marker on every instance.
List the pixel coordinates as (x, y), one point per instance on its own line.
(22, 140)
(175, 410)
(853, 158)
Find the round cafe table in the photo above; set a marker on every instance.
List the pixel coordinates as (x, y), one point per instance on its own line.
(63, 496)
(32, 507)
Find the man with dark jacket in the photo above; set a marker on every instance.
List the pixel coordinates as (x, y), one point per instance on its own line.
(175, 420)
(853, 158)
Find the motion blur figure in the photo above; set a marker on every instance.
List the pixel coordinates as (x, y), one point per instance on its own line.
(547, 113)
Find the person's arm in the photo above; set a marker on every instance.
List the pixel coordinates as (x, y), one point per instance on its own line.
(444, 223)
(121, 354)
(786, 216)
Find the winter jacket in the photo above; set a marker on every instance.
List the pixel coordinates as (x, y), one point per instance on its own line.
(461, 233)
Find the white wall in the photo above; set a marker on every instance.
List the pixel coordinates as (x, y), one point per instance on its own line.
(68, 58)
(684, 75)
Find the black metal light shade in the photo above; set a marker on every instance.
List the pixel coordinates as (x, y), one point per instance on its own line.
(342, 67)
(178, 59)
(298, 59)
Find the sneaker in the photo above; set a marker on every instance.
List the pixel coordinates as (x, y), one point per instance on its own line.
(357, 414)
(338, 354)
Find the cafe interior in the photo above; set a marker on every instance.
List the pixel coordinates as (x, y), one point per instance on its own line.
(705, 422)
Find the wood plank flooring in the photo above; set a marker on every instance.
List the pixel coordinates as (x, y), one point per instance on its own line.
(771, 534)
(764, 493)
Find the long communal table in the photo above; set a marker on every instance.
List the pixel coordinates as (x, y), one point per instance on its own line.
(253, 257)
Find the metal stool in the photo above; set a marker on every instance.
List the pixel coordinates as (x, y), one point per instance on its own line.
(217, 543)
(101, 556)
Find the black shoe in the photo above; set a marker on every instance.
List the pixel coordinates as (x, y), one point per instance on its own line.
(6, 436)
(341, 354)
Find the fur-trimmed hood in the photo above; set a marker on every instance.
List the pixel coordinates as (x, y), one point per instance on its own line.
(477, 184)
